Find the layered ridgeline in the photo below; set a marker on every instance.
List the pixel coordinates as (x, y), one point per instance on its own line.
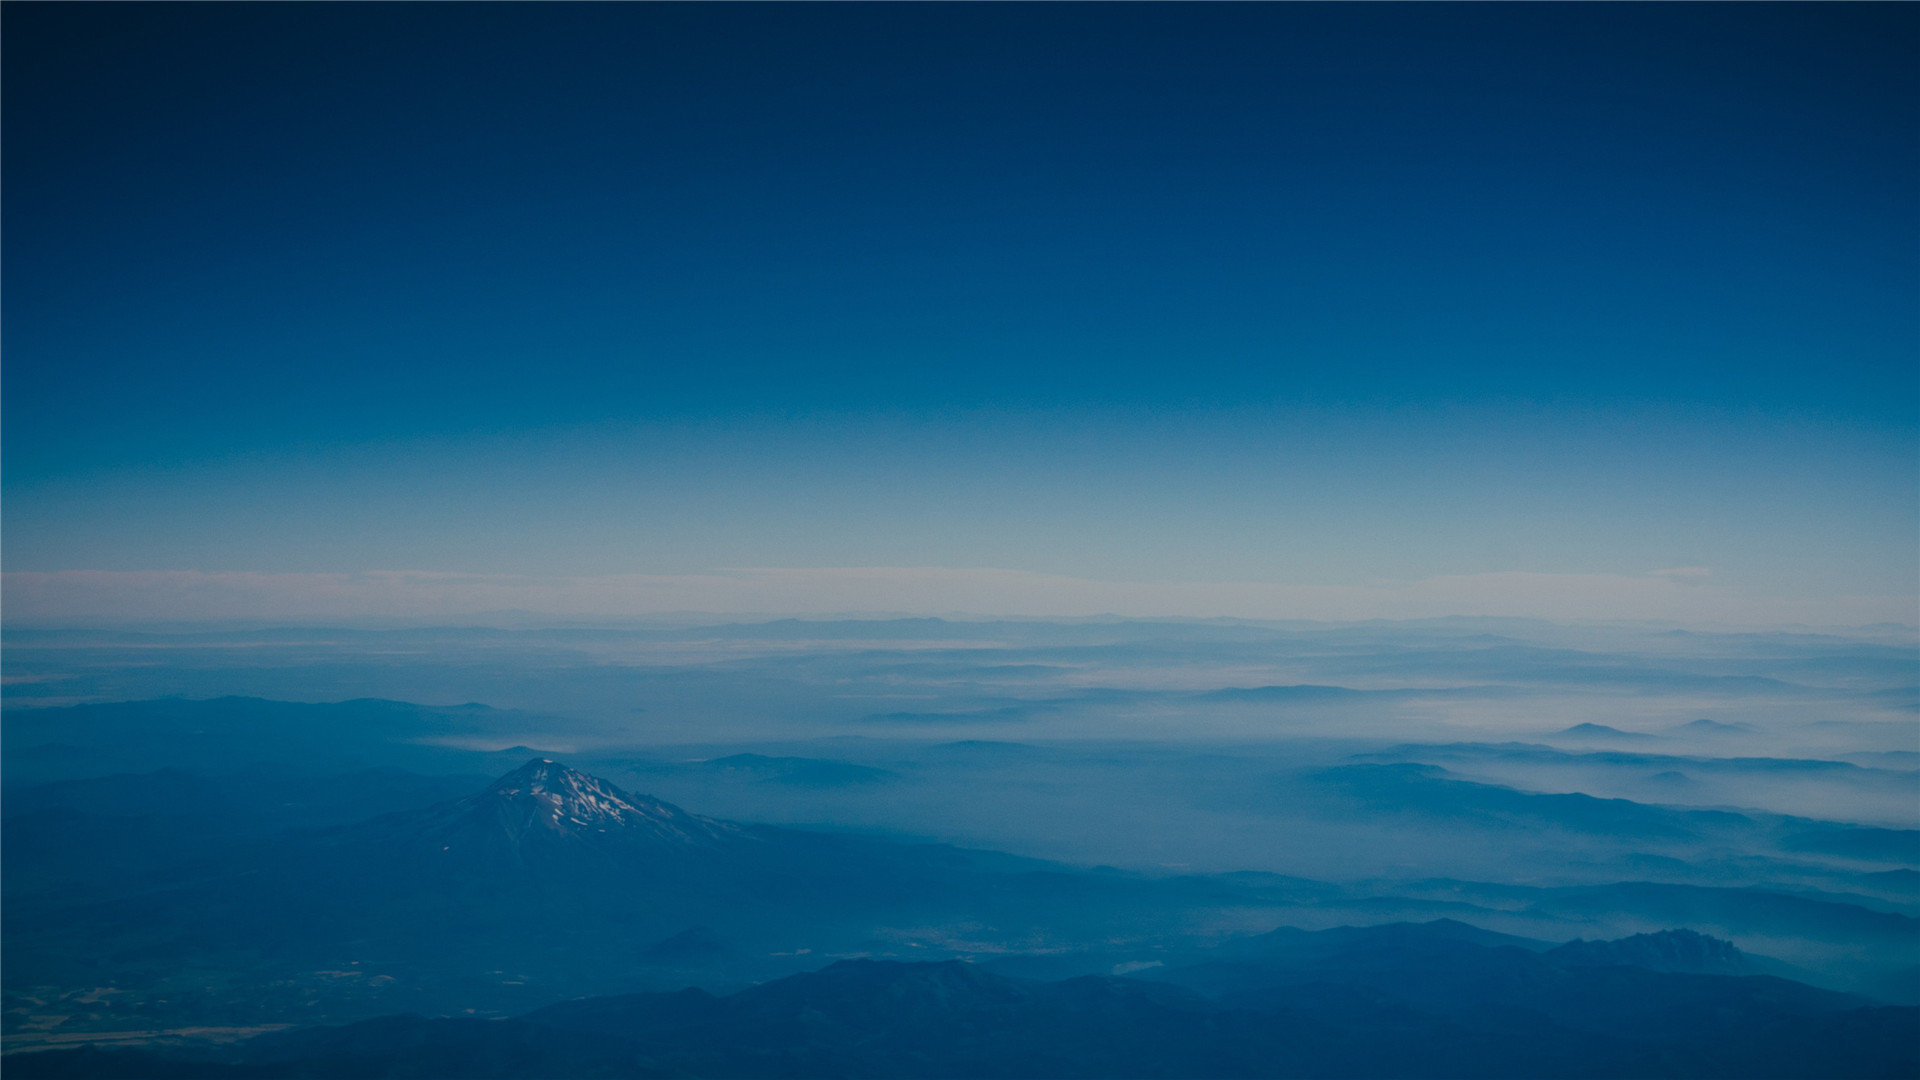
(1439, 999)
(548, 884)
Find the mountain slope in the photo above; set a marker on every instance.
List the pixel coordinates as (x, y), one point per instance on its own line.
(543, 812)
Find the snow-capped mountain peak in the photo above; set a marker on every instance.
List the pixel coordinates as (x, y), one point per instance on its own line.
(544, 803)
(572, 799)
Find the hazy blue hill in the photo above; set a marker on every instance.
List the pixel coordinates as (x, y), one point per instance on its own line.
(1669, 950)
(1704, 726)
(1536, 753)
(1739, 911)
(1763, 913)
(1904, 880)
(1855, 842)
(1430, 791)
(985, 747)
(1602, 731)
(1648, 987)
(1813, 818)
(1888, 759)
(1295, 945)
(1707, 847)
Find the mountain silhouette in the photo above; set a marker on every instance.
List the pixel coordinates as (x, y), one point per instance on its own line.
(1669, 950)
(865, 1018)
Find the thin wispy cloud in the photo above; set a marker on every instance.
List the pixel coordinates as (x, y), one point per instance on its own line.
(62, 596)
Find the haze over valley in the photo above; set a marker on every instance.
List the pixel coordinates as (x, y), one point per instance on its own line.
(724, 804)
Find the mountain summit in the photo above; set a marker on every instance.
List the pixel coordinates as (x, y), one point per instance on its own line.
(543, 809)
(544, 795)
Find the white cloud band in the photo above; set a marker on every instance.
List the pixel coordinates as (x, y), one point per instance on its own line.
(73, 596)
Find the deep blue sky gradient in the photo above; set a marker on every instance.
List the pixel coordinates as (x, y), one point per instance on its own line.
(1144, 290)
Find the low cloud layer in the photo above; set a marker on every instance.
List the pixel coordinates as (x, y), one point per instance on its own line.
(1664, 596)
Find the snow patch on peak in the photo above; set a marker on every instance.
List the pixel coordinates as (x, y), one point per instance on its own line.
(544, 795)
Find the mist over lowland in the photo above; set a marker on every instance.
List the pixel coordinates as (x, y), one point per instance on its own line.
(1254, 848)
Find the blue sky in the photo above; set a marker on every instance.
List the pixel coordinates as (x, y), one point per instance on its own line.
(1289, 295)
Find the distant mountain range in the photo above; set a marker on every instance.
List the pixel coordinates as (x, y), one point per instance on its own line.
(1439, 999)
(1431, 791)
(1669, 950)
(550, 883)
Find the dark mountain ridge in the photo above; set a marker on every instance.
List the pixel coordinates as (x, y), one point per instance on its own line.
(1486, 1010)
(1669, 950)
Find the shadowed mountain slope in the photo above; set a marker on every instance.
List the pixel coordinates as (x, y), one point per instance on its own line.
(1510, 1013)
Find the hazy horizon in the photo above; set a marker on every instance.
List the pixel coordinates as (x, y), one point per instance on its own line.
(1323, 312)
